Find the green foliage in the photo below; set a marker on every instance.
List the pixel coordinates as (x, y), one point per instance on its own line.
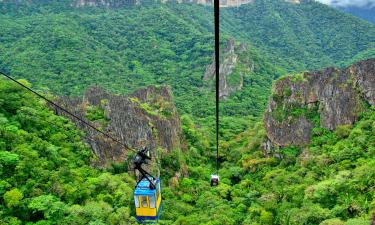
(289, 34)
(343, 131)
(8, 159)
(49, 205)
(49, 180)
(68, 49)
(292, 112)
(45, 172)
(12, 197)
(332, 222)
(122, 50)
(97, 114)
(266, 218)
(299, 77)
(331, 178)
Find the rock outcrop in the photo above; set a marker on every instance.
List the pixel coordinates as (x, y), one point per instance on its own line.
(328, 98)
(231, 76)
(105, 3)
(146, 117)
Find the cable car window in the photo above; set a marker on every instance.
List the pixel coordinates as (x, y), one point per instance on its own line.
(152, 201)
(157, 193)
(136, 201)
(144, 202)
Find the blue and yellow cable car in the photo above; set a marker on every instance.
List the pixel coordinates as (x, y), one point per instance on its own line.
(147, 193)
(147, 200)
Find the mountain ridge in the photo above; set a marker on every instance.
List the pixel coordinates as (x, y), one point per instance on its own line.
(127, 45)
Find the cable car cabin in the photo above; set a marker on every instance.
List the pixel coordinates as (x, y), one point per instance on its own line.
(214, 180)
(147, 201)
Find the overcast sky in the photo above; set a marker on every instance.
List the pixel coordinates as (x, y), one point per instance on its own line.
(359, 3)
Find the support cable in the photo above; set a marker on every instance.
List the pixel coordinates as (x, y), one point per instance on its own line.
(217, 67)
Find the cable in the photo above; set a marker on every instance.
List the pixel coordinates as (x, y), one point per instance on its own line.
(217, 67)
(67, 112)
(51, 123)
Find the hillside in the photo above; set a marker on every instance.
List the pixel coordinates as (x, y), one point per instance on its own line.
(329, 181)
(66, 49)
(292, 37)
(120, 50)
(45, 172)
(295, 149)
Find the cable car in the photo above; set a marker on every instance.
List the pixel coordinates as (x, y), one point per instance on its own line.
(214, 180)
(147, 193)
(147, 201)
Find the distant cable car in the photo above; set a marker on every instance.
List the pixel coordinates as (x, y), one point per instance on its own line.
(147, 193)
(147, 201)
(214, 180)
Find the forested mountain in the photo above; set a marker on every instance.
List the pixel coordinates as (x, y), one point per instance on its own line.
(294, 149)
(46, 177)
(308, 35)
(66, 49)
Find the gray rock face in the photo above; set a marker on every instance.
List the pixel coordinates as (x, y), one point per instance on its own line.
(228, 62)
(364, 78)
(330, 97)
(147, 117)
(105, 3)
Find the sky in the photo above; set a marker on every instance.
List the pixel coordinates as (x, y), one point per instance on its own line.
(348, 3)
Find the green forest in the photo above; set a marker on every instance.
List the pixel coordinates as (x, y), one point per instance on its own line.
(46, 172)
(46, 177)
(65, 50)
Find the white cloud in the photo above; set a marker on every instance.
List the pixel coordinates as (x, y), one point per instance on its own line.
(345, 3)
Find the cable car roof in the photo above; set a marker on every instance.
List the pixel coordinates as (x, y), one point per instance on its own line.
(143, 187)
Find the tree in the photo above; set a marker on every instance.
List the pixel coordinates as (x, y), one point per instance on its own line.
(13, 197)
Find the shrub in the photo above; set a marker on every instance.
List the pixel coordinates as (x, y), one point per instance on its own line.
(12, 197)
(343, 131)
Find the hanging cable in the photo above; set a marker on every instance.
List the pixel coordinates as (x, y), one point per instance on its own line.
(68, 112)
(217, 67)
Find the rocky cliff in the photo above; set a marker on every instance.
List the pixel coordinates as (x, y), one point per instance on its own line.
(233, 67)
(146, 117)
(327, 98)
(106, 3)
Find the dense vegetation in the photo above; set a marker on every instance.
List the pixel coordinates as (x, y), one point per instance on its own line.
(66, 49)
(291, 35)
(120, 50)
(331, 181)
(45, 172)
(46, 177)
